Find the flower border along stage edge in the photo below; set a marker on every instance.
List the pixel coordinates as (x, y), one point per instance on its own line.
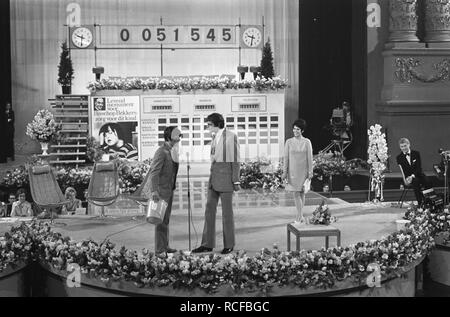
(336, 271)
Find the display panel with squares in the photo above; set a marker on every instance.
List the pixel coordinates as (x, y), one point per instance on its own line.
(259, 127)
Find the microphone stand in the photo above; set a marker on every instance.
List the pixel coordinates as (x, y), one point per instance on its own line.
(189, 200)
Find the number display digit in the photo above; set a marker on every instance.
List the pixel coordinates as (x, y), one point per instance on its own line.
(226, 34)
(161, 35)
(195, 35)
(210, 36)
(124, 35)
(146, 35)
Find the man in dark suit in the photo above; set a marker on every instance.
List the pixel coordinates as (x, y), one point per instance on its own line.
(223, 181)
(163, 174)
(410, 162)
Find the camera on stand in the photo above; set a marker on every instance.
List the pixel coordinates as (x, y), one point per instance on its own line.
(442, 171)
(339, 126)
(432, 200)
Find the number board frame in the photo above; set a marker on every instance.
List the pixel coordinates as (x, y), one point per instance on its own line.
(168, 36)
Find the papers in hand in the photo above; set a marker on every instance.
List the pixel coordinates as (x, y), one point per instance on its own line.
(156, 211)
(307, 186)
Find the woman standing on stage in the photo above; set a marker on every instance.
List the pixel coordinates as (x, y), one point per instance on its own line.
(298, 165)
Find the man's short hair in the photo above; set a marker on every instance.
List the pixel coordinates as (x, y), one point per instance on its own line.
(404, 141)
(168, 133)
(216, 119)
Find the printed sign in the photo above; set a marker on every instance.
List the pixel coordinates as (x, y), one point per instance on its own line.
(114, 123)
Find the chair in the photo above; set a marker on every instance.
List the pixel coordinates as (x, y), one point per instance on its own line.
(103, 187)
(141, 195)
(45, 190)
(406, 188)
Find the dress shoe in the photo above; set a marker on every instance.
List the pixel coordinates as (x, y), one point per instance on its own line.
(202, 249)
(170, 250)
(226, 250)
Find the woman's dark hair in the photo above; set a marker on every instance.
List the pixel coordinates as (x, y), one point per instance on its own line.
(114, 127)
(300, 123)
(168, 133)
(21, 191)
(216, 119)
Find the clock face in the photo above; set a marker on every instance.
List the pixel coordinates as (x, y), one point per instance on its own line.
(252, 37)
(82, 37)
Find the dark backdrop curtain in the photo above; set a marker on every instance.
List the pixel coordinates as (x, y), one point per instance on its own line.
(332, 67)
(5, 71)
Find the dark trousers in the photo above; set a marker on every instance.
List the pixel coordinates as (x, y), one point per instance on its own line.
(162, 230)
(209, 229)
(419, 182)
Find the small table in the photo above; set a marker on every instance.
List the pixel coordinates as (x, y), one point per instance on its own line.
(303, 230)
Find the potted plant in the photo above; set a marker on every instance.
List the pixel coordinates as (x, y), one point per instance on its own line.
(65, 70)
(43, 128)
(266, 68)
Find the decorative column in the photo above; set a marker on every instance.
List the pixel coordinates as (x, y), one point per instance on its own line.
(403, 21)
(437, 20)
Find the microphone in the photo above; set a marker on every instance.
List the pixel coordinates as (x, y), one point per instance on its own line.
(187, 157)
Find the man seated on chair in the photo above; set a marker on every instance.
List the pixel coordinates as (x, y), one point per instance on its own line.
(410, 162)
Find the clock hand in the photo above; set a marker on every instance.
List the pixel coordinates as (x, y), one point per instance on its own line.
(252, 37)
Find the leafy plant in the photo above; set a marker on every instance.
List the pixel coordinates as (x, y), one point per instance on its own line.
(65, 67)
(267, 61)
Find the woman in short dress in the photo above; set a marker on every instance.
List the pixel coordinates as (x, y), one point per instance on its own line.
(298, 165)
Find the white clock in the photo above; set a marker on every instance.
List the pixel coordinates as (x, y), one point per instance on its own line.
(251, 37)
(82, 37)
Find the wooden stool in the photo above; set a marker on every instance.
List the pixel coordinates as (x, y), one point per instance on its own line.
(302, 230)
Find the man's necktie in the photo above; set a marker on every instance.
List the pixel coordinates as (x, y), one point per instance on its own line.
(213, 147)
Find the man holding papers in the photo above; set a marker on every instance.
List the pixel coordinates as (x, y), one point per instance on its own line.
(163, 174)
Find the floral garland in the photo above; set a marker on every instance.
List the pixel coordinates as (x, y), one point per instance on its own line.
(43, 127)
(312, 268)
(322, 215)
(378, 155)
(187, 84)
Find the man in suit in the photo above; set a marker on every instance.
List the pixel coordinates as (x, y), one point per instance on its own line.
(410, 162)
(224, 179)
(163, 174)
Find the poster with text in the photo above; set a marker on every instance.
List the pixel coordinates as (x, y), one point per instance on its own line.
(114, 124)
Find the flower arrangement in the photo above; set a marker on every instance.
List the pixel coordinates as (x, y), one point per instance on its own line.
(43, 127)
(327, 164)
(269, 268)
(187, 84)
(322, 215)
(377, 157)
(16, 178)
(261, 173)
(132, 174)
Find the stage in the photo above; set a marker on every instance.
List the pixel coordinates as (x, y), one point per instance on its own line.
(256, 227)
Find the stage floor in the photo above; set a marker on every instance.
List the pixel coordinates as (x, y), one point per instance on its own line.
(256, 228)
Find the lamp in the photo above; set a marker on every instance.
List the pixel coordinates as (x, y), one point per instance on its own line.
(242, 70)
(255, 70)
(97, 71)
